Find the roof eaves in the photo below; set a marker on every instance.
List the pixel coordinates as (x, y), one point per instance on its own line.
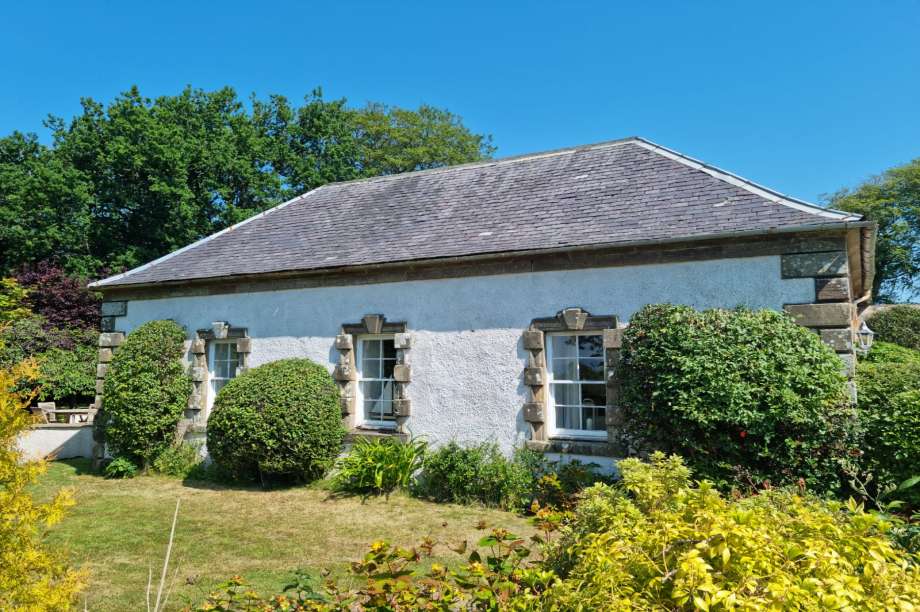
(127, 274)
(746, 184)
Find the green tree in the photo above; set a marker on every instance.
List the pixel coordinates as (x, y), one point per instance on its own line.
(125, 182)
(892, 200)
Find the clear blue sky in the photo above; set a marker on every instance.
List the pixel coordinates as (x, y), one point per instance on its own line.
(804, 97)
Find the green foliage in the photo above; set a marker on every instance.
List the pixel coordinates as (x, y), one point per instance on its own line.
(379, 465)
(12, 301)
(898, 324)
(888, 382)
(279, 419)
(128, 181)
(744, 396)
(120, 467)
(180, 460)
(654, 541)
(893, 201)
(67, 375)
(476, 474)
(146, 392)
(33, 577)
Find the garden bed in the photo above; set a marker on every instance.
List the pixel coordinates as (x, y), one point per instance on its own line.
(119, 529)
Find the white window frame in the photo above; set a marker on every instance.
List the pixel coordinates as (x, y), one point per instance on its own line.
(212, 367)
(362, 420)
(560, 432)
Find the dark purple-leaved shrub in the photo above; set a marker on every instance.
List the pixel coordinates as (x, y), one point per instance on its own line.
(62, 300)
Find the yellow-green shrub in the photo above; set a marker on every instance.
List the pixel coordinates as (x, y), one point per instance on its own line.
(655, 541)
(32, 577)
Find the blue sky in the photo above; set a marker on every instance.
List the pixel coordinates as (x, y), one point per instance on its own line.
(805, 97)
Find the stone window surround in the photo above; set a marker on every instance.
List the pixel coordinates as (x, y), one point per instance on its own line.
(346, 373)
(535, 378)
(200, 370)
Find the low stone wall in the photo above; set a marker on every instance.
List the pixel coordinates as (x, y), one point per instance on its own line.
(58, 441)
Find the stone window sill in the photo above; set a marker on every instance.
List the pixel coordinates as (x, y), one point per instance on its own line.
(575, 446)
(374, 434)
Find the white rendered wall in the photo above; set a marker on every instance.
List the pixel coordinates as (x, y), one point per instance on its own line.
(58, 441)
(466, 356)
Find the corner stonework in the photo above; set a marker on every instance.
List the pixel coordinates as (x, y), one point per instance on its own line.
(832, 314)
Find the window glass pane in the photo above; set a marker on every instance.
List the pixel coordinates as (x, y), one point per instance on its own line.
(371, 390)
(563, 346)
(591, 346)
(567, 417)
(231, 352)
(599, 422)
(594, 395)
(591, 369)
(592, 419)
(370, 368)
(565, 369)
(387, 391)
(388, 368)
(370, 349)
(565, 394)
(389, 349)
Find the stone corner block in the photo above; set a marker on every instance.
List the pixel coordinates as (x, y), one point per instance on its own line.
(832, 289)
(613, 339)
(100, 385)
(402, 373)
(198, 374)
(111, 339)
(107, 324)
(105, 355)
(804, 265)
(840, 340)
(402, 341)
(534, 412)
(101, 370)
(534, 377)
(347, 404)
(402, 408)
(244, 345)
(533, 340)
(114, 309)
(343, 342)
(821, 315)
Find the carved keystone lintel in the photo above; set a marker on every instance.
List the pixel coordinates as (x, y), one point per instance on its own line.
(533, 340)
(574, 318)
(373, 323)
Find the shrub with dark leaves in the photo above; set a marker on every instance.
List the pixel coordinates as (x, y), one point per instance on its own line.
(64, 301)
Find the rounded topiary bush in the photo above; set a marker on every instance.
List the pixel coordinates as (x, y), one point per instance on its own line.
(279, 419)
(898, 325)
(745, 396)
(888, 381)
(146, 392)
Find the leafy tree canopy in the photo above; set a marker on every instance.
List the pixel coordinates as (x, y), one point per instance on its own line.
(893, 201)
(125, 182)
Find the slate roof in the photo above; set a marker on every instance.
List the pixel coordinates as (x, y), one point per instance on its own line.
(619, 192)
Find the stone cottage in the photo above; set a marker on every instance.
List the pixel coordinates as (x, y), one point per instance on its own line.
(486, 301)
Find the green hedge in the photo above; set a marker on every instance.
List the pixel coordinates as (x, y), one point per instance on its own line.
(888, 381)
(146, 392)
(898, 325)
(745, 396)
(279, 419)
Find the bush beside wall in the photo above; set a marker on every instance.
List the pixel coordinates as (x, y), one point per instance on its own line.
(745, 396)
(146, 392)
(281, 419)
(897, 325)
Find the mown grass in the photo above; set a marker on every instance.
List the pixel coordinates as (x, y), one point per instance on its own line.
(119, 529)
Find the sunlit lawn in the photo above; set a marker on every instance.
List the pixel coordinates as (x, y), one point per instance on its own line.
(119, 529)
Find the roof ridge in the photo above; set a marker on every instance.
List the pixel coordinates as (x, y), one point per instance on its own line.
(482, 163)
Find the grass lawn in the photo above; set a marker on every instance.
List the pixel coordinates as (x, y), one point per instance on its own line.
(119, 528)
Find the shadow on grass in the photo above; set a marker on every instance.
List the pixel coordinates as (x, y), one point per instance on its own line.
(81, 466)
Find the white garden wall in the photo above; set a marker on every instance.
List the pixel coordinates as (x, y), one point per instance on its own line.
(467, 358)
